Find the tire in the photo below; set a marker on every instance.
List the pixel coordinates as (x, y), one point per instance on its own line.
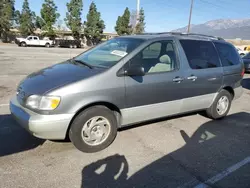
(213, 112)
(47, 45)
(23, 44)
(84, 120)
(75, 46)
(242, 54)
(70, 46)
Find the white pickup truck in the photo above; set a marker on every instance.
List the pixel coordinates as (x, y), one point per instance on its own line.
(33, 41)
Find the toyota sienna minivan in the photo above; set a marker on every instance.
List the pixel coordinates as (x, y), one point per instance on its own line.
(127, 80)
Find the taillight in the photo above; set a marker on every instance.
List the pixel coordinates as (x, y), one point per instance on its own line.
(243, 72)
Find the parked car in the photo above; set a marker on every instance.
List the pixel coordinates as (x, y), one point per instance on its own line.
(33, 41)
(68, 43)
(242, 52)
(246, 60)
(127, 80)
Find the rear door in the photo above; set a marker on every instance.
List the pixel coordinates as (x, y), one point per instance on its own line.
(203, 74)
(36, 41)
(232, 65)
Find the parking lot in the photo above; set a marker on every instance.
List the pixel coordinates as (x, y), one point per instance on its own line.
(183, 151)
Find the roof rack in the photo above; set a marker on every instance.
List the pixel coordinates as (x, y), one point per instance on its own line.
(185, 34)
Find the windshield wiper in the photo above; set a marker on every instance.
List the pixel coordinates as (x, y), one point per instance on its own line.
(82, 62)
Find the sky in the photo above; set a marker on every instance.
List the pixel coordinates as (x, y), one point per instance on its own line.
(160, 15)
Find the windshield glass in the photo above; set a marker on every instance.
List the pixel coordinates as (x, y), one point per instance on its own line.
(109, 53)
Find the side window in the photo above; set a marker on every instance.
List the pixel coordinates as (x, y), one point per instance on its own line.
(156, 58)
(228, 54)
(200, 54)
(30, 38)
(35, 38)
(152, 51)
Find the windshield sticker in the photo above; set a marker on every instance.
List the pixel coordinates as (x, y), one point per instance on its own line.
(119, 53)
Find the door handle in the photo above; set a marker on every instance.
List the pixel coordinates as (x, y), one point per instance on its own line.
(193, 78)
(178, 79)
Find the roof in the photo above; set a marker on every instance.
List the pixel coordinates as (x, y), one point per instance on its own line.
(195, 36)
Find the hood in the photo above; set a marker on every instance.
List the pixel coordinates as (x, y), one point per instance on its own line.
(56, 76)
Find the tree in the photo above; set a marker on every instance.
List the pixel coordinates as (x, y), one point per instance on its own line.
(49, 15)
(94, 25)
(26, 19)
(140, 26)
(73, 17)
(17, 17)
(7, 14)
(39, 22)
(123, 26)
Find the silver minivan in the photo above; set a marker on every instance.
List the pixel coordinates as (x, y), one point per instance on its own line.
(128, 80)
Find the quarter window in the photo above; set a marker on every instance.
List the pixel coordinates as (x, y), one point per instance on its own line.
(228, 54)
(157, 57)
(200, 54)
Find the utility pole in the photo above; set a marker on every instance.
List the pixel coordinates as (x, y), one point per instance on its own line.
(137, 11)
(190, 16)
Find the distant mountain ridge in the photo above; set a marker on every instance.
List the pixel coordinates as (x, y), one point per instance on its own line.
(226, 28)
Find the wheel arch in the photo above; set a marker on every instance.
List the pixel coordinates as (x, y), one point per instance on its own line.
(230, 90)
(111, 106)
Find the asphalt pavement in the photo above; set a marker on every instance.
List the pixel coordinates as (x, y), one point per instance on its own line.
(181, 151)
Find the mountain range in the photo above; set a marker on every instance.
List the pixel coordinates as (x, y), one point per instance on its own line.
(225, 28)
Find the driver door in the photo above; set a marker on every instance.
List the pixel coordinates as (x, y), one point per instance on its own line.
(30, 41)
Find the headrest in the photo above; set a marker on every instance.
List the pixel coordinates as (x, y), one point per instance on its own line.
(165, 59)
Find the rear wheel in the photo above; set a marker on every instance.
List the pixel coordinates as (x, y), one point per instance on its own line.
(220, 106)
(70, 46)
(75, 46)
(93, 129)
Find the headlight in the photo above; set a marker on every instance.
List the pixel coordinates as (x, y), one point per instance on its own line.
(43, 102)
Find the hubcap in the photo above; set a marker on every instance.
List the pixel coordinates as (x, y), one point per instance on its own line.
(222, 105)
(96, 130)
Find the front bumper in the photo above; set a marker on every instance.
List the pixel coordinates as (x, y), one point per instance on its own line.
(41, 126)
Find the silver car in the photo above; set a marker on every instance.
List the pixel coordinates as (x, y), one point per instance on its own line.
(127, 80)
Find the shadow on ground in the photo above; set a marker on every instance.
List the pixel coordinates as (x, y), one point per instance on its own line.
(246, 83)
(13, 138)
(214, 147)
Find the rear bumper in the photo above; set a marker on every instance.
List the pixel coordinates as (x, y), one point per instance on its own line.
(41, 126)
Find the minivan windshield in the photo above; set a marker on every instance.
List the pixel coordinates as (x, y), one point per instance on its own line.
(109, 53)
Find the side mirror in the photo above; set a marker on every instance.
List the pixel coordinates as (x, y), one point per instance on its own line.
(135, 71)
(132, 71)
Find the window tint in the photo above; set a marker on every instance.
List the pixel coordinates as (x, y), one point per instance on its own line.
(200, 54)
(228, 54)
(35, 38)
(30, 38)
(161, 59)
(152, 51)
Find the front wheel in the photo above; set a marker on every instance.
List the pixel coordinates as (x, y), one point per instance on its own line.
(220, 106)
(47, 45)
(23, 44)
(93, 129)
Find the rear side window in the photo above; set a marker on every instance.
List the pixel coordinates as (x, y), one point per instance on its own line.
(228, 54)
(200, 54)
